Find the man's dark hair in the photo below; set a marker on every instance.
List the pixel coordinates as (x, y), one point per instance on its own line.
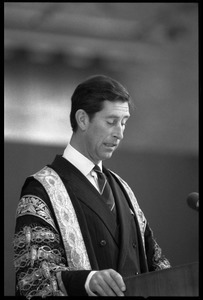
(91, 93)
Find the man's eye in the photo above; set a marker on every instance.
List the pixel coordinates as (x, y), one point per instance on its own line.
(111, 122)
(124, 123)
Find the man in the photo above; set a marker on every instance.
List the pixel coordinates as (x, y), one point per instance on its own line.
(68, 239)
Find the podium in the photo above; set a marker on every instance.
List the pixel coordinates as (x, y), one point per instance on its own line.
(177, 281)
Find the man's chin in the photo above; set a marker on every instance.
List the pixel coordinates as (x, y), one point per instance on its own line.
(107, 155)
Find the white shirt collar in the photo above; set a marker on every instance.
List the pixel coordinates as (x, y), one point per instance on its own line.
(80, 161)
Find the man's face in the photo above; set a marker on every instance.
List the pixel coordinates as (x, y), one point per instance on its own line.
(105, 130)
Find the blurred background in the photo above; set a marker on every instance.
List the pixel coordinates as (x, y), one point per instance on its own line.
(152, 49)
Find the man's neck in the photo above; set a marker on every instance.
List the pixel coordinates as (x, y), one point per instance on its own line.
(78, 143)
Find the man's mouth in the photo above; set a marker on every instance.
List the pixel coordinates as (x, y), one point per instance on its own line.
(111, 145)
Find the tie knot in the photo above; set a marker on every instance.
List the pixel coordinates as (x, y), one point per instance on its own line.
(97, 169)
(101, 178)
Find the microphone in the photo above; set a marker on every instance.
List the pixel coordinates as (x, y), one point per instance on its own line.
(193, 201)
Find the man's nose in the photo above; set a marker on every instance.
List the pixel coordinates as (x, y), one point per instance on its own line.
(118, 133)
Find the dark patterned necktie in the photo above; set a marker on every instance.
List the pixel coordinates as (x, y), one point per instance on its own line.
(105, 189)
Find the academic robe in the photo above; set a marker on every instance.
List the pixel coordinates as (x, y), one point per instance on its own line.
(110, 241)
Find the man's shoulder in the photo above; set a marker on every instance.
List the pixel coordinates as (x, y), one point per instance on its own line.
(32, 186)
(119, 178)
(125, 186)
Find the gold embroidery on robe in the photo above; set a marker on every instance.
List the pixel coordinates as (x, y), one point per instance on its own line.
(33, 205)
(75, 248)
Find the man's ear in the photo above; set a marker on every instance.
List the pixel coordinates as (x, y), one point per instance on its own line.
(82, 119)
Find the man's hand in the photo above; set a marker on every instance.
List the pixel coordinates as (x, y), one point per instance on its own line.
(107, 283)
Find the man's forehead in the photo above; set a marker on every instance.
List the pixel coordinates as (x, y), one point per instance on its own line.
(117, 106)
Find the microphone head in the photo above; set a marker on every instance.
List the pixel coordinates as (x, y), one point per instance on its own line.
(193, 200)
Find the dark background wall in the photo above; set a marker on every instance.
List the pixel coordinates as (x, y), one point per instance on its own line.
(161, 183)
